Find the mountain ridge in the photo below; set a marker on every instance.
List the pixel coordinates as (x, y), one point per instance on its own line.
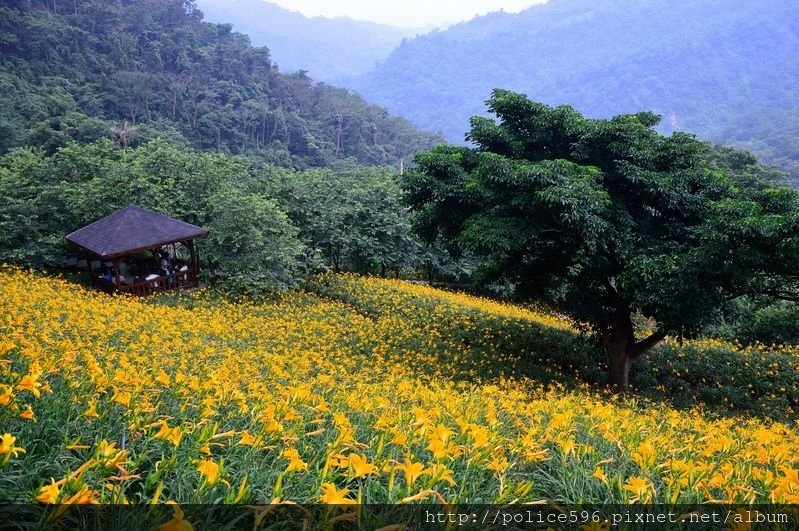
(704, 65)
(328, 49)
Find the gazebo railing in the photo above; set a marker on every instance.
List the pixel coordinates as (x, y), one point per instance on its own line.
(180, 279)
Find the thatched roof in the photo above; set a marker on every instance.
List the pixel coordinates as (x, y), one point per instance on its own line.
(133, 229)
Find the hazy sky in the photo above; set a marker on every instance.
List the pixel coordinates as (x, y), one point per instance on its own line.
(406, 13)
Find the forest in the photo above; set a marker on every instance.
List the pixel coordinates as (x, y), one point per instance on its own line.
(269, 225)
(69, 71)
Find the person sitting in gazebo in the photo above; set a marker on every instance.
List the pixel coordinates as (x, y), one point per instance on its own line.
(153, 276)
(181, 267)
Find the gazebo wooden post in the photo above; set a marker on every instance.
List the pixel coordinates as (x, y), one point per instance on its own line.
(116, 274)
(89, 268)
(194, 269)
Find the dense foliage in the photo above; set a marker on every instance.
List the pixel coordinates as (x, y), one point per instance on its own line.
(69, 71)
(352, 217)
(723, 69)
(268, 225)
(609, 218)
(757, 320)
(306, 399)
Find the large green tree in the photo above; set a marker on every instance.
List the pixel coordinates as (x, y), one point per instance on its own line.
(608, 218)
(353, 218)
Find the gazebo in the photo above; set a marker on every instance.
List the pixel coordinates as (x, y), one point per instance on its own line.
(132, 231)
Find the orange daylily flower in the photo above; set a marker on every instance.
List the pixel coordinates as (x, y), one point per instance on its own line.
(332, 496)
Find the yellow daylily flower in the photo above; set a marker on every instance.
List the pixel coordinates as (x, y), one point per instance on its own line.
(412, 471)
(30, 382)
(360, 466)
(498, 464)
(109, 455)
(296, 464)
(173, 435)
(5, 395)
(250, 440)
(640, 488)
(440, 472)
(210, 472)
(178, 521)
(600, 475)
(91, 411)
(7, 445)
(332, 496)
(84, 496)
(27, 414)
(49, 493)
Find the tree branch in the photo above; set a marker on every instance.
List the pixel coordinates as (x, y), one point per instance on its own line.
(614, 295)
(644, 345)
(792, 296)
(782, 295)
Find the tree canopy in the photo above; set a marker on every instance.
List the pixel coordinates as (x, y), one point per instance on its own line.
(71, 70)
(608, 218)
(268, 225)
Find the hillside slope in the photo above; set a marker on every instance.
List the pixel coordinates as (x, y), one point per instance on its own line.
(308, 400)
(328, 49)
(70, 70)
(724, 69)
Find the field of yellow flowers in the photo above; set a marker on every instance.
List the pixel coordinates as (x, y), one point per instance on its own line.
(355, 391)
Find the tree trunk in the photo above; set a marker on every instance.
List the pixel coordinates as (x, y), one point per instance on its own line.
(339, 121)
(622, 348)
(619, 364)
(617, 341)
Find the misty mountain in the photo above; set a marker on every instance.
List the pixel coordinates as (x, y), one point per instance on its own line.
(726, 70)
(329, 49)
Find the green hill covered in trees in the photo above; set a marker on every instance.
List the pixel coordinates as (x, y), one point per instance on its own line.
(71, 70)
(723, 69)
